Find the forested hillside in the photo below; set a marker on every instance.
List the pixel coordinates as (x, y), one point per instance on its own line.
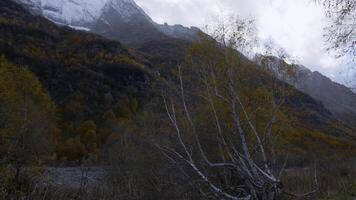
(87, 77)
(165, 119)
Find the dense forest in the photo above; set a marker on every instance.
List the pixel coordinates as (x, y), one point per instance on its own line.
(165, 119)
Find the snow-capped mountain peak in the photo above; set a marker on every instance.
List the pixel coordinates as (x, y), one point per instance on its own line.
(81, 13)
(73, 12)
(127, 9)
(121, 20)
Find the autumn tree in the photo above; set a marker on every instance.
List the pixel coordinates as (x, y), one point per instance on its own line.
(235, 29)
(72, 112)
(87, 131)
(27, 116)
(242, 165)
(71, 150)
(128, 107)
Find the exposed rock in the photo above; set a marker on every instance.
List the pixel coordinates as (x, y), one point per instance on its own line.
(121, 20)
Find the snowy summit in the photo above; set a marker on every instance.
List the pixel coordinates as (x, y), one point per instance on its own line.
(81, 14)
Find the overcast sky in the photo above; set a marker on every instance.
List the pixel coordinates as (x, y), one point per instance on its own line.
(295, 25)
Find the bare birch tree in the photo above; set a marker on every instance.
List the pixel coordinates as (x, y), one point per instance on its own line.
(246, 161)
(341, 32)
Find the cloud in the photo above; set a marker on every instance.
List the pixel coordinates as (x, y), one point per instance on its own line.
(186, 12)
(295, 25)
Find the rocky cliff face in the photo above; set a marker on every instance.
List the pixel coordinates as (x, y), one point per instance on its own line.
(34, 6)
(179, 31)
(75, 13)
(126, 22)
(337, 98)
(121, 20)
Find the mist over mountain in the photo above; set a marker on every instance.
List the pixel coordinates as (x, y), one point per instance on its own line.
(337, 98)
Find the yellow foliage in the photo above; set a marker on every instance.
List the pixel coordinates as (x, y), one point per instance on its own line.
(127, 62)
(87, 131)
(72, 149)
(27, 112)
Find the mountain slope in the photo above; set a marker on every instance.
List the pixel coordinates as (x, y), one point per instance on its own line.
(116, 22)
(308, 120)
(108, 77)
(69, 62)
(340, 100)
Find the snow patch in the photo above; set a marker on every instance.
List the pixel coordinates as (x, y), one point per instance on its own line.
(83, 14)
(80, 28)
(73, 12)
(70, 12)
(127, 9)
